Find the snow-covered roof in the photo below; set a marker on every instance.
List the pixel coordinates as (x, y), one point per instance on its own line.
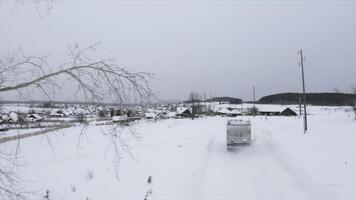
(14, 116)
(150, 110)
(227, 110)
(4, 117)
(54, 113)
(37, 116)
(236, 122)
(67, 112)
(181, 110)
(224, 110)
(150, 115)
(171, 114)
(119, 118)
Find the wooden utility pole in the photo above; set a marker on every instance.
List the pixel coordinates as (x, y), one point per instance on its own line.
(300, 105)
(304, 95)
(254, 100)
(206, 109)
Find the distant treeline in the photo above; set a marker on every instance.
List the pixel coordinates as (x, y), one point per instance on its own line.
(231, 100)
(331, 99)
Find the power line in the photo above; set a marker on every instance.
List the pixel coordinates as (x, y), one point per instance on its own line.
(327, 57)
(330, 40)
(254, 100)
(332, 51)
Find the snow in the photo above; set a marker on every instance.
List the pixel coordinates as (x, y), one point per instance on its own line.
(119, 118)
(171, 114)
(187, 159)
(34, 117)
(150, 115)
(238, 122)
(181, 110)
(13, 116)
(14, 132)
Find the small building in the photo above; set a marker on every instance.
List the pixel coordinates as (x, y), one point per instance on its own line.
(67, 113)
(3, 118)
(120, 119)
(34, 117)
(21, 120)
(162, 115)
(269, 112)
(56, 113)
(13, 117)
(227, 111)
(183, 112)
(288, 112)
(223, 111)
(150, 115)
(171, 114)
(3, 128)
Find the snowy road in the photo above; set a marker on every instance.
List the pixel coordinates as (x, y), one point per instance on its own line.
(187, 159)
(259, 171)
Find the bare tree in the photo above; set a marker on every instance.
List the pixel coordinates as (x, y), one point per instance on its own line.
(43, 7)
(194, 99)
(118, 138)
(353, 89)
(336, 90)
(353, 105)
(353, 101)
(9, 181)
(95, 80)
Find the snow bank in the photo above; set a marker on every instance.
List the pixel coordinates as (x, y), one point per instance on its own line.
(187, 159)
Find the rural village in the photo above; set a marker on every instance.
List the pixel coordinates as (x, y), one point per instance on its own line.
(177, 100)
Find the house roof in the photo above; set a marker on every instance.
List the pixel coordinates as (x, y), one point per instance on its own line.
(150, 115)
(37, 116)
(181, 110)
(119, 118)
(14, 116)
(288, 111)
(171, 114)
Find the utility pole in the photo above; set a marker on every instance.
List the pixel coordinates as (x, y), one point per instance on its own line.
(304, 96)
(254, 100)
(300, 105)
(206, 110)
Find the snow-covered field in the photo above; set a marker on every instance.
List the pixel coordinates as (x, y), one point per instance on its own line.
(187, 159)
(15, 132)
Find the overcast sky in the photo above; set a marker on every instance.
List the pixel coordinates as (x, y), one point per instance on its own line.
(222, 48)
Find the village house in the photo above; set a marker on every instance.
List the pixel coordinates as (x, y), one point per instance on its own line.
(273, 112)
(183, 112)
(120, 119)
(288, 112)
(34, 117)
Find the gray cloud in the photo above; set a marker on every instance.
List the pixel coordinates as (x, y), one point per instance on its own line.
(221, 48)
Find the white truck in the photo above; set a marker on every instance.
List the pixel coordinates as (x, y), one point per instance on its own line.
(238, 132)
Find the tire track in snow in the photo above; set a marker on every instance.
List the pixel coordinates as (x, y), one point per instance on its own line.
(302, 180)
(200, 172)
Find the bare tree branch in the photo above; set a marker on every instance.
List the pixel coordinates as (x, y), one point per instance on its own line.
(95, 79)
(9, 181)
(118, 140)
(42, 6)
